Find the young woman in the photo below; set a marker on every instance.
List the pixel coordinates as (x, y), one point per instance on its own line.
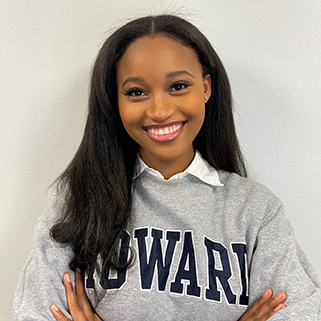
(155, 214)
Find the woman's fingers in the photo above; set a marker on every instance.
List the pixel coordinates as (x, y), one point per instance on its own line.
(80, 309)
(277, 302)
(254, 310)
(58, 314)
(78, 303)
(72, 299)
(264, 307)
(81, 294)
(273, 305)
(267, 295)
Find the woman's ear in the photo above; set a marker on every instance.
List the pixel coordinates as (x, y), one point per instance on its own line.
(207, 87)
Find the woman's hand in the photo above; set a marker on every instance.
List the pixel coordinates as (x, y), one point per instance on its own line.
(80, 308)
(264, 307)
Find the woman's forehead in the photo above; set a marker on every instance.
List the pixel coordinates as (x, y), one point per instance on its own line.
(160, 55)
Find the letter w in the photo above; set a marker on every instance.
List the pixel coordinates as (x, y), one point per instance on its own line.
(156, 255)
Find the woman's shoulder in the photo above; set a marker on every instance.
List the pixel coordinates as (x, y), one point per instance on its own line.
(233, 180)
(245, 189)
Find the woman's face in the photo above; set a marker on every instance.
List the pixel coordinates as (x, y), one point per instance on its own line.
(161, 98)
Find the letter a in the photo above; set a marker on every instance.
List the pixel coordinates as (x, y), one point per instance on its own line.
(188, 255)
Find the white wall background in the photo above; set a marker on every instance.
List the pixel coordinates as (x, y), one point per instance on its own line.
(271, 50)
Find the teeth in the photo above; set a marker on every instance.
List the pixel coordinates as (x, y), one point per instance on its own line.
(165, 131)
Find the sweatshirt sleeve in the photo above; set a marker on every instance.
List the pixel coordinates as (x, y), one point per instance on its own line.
(40, 283)
(279, 263)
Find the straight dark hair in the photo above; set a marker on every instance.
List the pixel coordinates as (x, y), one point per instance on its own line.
(98, 182)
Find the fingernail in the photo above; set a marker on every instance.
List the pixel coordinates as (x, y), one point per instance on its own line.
(78, 270)
(266, 293)
(68, 278)
(279, 296)
(54, 307)
(278, 307)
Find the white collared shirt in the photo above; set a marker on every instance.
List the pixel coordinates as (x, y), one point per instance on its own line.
(199, 168)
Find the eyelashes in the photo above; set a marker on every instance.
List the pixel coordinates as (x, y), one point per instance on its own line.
(135, 92)
(178, 86)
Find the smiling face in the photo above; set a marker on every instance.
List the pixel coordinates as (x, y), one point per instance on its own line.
(161, 98)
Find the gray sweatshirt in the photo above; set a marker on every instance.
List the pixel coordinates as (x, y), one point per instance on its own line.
(207, 245)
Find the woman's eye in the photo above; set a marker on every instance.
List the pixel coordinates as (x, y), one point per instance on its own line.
(179, 86)
(135, 93)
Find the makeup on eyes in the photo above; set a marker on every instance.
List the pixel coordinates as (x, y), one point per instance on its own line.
(139, 92)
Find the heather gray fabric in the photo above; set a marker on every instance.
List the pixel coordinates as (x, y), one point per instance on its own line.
(202, 251)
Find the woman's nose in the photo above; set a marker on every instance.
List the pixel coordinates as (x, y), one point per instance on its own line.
(159, 108)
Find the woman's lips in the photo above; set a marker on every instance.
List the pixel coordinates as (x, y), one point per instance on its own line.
(164, 133)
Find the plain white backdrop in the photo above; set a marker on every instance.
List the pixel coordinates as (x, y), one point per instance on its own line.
(272, 53)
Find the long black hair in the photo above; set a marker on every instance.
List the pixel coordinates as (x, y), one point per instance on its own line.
(97, 183)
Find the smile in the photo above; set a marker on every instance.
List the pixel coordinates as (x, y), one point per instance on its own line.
(164, 133)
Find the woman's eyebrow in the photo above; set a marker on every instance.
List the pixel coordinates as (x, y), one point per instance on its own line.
(130, 79)
(178, 73)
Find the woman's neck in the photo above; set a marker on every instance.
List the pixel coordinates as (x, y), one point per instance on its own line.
(166, 166)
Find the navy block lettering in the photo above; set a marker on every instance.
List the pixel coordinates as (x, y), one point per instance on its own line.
(240, 250)
(147, 266)
(212, 293)
(188, 256)
(90, 281)
(115, 283)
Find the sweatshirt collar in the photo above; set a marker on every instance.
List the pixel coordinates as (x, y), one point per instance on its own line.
(199, 168)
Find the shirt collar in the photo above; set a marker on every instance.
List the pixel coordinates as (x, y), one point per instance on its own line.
(199, 168)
